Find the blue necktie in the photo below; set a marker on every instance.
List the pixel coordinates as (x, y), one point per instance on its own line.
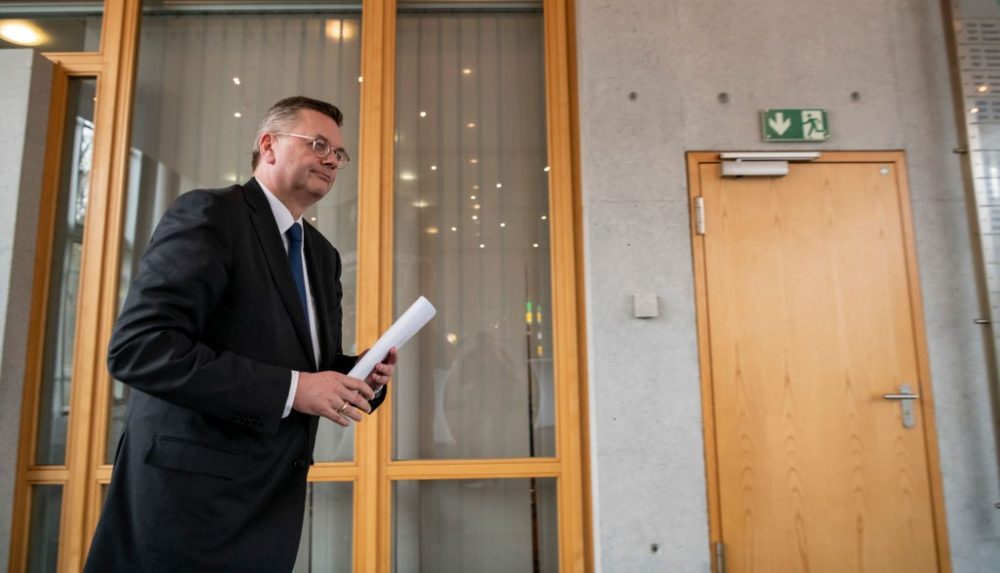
(294, 234)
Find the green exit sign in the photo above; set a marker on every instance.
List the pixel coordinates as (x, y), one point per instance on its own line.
(794, 125)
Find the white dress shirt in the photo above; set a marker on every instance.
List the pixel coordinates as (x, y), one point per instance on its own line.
(283, 217)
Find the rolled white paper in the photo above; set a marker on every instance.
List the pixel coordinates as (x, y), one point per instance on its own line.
(415, 317)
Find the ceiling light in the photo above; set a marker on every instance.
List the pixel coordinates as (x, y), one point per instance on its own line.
(544, 217)
(236, 81)
(546, 169)
(503, 225)
(499, 185)
(237, 114)
(467, 71)
(407, 176)
(420, 204)
(432, 230)
(534, 245)
(454, 228)
(470, 125)
(434, 167)
(21, 33)
(473, 160)
(423, 114)
(340, 30)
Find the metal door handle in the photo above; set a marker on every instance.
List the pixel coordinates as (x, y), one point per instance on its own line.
(905, 398)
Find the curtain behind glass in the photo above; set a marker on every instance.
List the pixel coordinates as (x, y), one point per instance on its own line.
(203, 83)
(471, 234)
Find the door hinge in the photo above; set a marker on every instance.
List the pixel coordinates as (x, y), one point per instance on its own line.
(699, 215)
(720, 557)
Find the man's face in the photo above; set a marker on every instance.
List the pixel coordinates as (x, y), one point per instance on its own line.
(297, 169)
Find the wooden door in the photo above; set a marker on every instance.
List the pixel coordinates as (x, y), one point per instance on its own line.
(809, 312)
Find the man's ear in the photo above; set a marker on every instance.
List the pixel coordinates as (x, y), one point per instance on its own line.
(267, 141)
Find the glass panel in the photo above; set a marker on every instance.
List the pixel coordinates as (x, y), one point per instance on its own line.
(64, 274)
(471, 234)
(327, 534)
(65, 26)
(204, 81)
(475, 525)
(43, 534)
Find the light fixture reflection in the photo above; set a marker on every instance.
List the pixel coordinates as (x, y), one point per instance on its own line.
(420, 204)
(432, 230)
(21, 32)
(407, 176)
(467, 71)
(236, 81)
(452, 338)
(340, 30)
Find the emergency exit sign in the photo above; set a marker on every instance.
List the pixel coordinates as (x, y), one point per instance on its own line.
(781, 125)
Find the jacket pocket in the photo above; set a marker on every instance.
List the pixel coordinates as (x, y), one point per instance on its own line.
(194, 457)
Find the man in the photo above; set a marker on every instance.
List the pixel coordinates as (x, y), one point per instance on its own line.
(231, 340)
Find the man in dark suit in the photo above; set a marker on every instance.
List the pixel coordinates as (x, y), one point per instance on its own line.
(230, 338)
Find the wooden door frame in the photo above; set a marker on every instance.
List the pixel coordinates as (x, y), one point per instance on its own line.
(926, 404)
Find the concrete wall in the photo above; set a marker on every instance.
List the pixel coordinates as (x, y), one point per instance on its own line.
(24, 99)
(676, 58)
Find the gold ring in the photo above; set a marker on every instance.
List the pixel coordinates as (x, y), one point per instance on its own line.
(344, 407)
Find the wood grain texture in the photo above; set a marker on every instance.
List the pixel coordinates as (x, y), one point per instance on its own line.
(809, 322)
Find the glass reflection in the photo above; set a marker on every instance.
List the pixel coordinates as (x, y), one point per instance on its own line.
(65, 26)
(43, 535)
(328, 530)
(475, 525)
(471, 234)
(64, 272)
(203, 82)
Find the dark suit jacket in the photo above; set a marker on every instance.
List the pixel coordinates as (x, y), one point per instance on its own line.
(208, 476)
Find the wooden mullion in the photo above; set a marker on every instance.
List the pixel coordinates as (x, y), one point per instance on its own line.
(474, 469)
(121, 55)
(565, 298)
(98, 274)
(375, 179)
(39, 313)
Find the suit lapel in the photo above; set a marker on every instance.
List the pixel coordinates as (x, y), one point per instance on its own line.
(277, 261)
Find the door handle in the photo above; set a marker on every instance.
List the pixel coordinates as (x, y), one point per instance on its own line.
(901, 396)
(905, 398)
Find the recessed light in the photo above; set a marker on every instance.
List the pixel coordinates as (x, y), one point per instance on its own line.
(21, 33)
(236, 81)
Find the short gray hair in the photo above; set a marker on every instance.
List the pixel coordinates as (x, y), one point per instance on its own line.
(284, 114)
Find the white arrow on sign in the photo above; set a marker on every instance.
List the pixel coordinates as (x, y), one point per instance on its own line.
(779, 123)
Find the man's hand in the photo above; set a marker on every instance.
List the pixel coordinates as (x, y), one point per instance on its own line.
(382, 372)
(335, 396)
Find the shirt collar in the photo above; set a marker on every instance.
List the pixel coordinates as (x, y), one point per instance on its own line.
(282, 216)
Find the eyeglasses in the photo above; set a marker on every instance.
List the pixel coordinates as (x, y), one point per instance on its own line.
(322, 149)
